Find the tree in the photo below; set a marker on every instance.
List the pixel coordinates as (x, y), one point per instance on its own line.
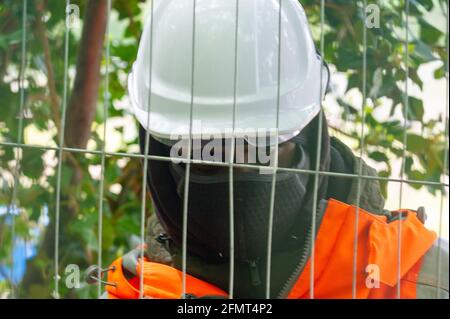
(44, 79)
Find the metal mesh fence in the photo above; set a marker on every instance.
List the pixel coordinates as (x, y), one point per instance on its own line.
(103, 154)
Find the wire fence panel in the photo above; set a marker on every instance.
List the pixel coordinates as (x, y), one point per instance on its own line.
(75, 178)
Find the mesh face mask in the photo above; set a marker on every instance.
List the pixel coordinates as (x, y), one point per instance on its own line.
(208, 209)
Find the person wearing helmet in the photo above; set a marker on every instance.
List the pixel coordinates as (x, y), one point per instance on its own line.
(200, 93)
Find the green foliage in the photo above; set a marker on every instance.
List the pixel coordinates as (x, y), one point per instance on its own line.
(386, 74)
(343, 50)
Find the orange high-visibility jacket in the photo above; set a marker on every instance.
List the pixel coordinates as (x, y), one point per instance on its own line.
(377, 261)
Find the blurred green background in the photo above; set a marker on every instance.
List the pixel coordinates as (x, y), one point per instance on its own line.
(30, 243)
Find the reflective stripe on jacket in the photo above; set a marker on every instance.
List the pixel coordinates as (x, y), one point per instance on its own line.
(376, 274)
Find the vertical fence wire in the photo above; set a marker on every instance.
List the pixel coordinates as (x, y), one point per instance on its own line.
(60, 153)
(103, 154)
(275, 166)
(405, 141)
(146, 153)
(361, 142)
(445, 164)
(231, 159)
(318, 155)
(12, 208)
(188, 161)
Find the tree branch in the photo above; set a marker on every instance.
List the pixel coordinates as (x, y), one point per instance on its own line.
(342, 132)
(83, 101)
(41, 33)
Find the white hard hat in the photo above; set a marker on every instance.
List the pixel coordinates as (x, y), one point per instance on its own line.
(168, 42)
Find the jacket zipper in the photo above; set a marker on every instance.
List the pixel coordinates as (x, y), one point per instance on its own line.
(299, 269)
(304, 257)
(254, 272)
(321, 207)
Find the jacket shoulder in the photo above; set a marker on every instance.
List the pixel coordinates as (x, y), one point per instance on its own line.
(433, 277)
(371, 198)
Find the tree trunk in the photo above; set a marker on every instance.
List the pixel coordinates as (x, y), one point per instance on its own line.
(83, 101)
(80, 115)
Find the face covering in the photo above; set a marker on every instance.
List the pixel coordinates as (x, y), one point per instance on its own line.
(208, 208)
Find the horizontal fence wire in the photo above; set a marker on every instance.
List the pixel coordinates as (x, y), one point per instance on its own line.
(224, 164)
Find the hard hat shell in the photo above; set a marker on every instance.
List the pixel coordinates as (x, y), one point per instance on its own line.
(177, 69)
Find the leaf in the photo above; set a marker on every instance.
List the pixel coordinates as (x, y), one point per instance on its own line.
(377, 83)
(408, 163)
(379, 156)
(440, 72)
(416, 143)
(127, 224)
(417, 176)
(415, 109)
(428, 33)
(9, 39)
(423, 51)
(426, 4)
(32, 163)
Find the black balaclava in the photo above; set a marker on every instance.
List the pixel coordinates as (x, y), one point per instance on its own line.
(209, 206)
(208, 211)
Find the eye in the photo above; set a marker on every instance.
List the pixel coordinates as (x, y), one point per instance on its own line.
(207, 169)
